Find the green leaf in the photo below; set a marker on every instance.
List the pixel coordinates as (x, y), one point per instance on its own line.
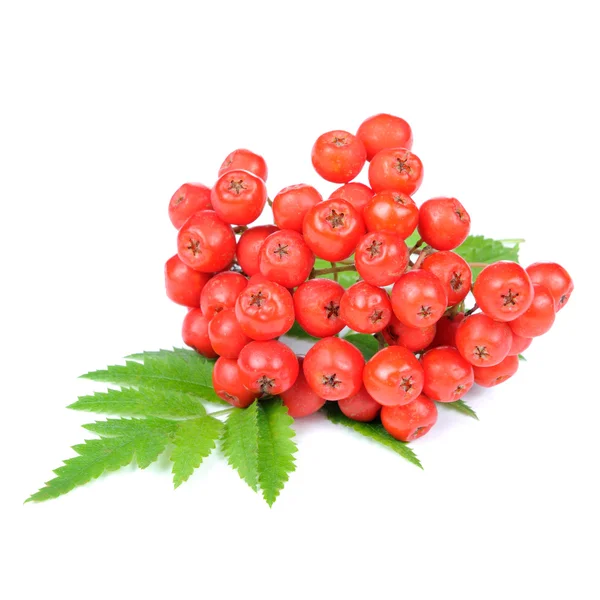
(141, 402)
(521, 357)
(367, 344)
(460, 406)
(479, 249)
(374, 431)
(275, 448)
(177, 370)
(122, 440)
(298, 333)
(412, 239)
(194, 441)
(345, 279)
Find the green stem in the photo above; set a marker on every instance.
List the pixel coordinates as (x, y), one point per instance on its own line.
(335, 273)
(329, 271)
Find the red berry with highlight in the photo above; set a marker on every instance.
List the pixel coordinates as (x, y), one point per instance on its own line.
(396, 169)
(448, 376)
(184, 285)
(444, 223)
(228, 383)
(221, 292)
(555, 278)
(381, 257)
(246, 161)
(360, 407)
(365, 308)
(338, 156)
(412, 338)
(539, 317)
(483, 341)
(226, 335)
(248, 247)
(410, 421)
(291, 205)
(300, 399)
(491, 376)
(391, 211)
(357, 194)
(189, 199)
(317, 307)
(195, 333)
(419, 298)
(239, 197)
(384, 131)
(453, 271)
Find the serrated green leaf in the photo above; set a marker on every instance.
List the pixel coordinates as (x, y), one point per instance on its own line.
(373, 431)
(141, 402)
(126, 439)
(345, 279)
(275, 448)
(460, 406)
(479, 249)
(179, 370)
(240, 443)
(298, 333)
(367, 344)
(521, 357)
(194, 441)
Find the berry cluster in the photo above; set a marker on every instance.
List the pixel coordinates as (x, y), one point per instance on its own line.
(243, 293)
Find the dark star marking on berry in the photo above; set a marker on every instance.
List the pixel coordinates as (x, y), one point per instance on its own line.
(481, 352)
(402, 165)
(231, 397)
(460, 213)
(406, 383)
(563, 299)
(281, 250)
(500, 378)
(179, 200)
(425, 312)
(331, 381)
(332, 310)
(375, 248)
(416, 432)
(510, 299)
(456, 282)
(339, 141)
(265, 384)
(398, 198)
(335, 219)
(376, 316)
(194, 247)
(237, 186)
(257, 299)
(459, 389)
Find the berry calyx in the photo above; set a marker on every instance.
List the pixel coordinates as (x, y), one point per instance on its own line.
(338, 156)
(409, 421)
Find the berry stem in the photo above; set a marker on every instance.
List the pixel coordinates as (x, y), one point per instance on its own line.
(419, 243)
(334, 270)
(422, 256)
(269, 202)
(471, 310)
(335, 273)
(380, 340)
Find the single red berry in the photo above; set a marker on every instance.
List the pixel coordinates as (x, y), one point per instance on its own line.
(393, 376)
(409, 421)
(226, 335)
(491, 376)
(539, 317)
(239, 197)
(268, 367)
(448, 376)
(445, 332)
(555, 278)
(206, 243)
(333, 368)
(453, 271)
(285, 258)
(300, 399)
(291, 205)
(227, 383)
(338, 156)
(189, 199)
(332, 229)
(221, 292)
(483, 341)
(360, 407)
(195, 333)
(258, 278)
(384, 131)
(391, 211)
(396, 169)
(412, 338)
(419, 298)
(519, 344)
(317, 307)
(357, 194)
(365, 308)
(503, 290)
(248, 247)
(246, 161)
(444, 223)
(184, 285)
(381, 257)
(265, 310)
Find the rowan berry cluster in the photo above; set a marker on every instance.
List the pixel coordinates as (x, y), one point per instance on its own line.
(244, 292)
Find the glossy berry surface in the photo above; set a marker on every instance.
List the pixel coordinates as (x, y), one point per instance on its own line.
(410, 421)
(195, 333)
(519, 344)
(491, 376)
(338, 156)
(226, 336)
(189, 199)
(292, 203)
(391, 211)
(444, 223)
(239, 197)
(396, 169)
(384, 131)
(381, 257)
(360, 407)
(448, 376)
(228, 383)
(248, 247)
(183, 284)
(365, 308)
(539, 317)
(317, 307)
(245, 160)
(300, 399)
(412, 338)
(357, 194)
(555, 278)
(221, 291)
(453, 271)
(483, 341)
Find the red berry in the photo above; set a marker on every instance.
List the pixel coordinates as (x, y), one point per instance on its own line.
(226, 335)
(360, 407)
(300, 399)
(448, 376)
(445, 333)
(206, 243)
(519, 344)
(221, 292)
(265, 310)
(291, 205)
(444, 223)
(412, 338)
(246, 161)
(248, 247)
(285, 258)
(393, 376)
(365, 308)
(453, 271)
(410, 421)
(332, 229)
(317, 307)
(396, 169)
(539, 317)
(503, 290)
(357, 194)
(228, 383)
(333, 368)
(184, 285)
(189, 199)
(391, 211)
(555, 278)
(381, 257)
(383, 131)
(338, 156)
(195, 333)
(491, 376)
(268, 367)
(419, 298)
(483, 341)
(239, 197)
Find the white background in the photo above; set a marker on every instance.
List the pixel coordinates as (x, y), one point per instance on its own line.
(106, 108)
